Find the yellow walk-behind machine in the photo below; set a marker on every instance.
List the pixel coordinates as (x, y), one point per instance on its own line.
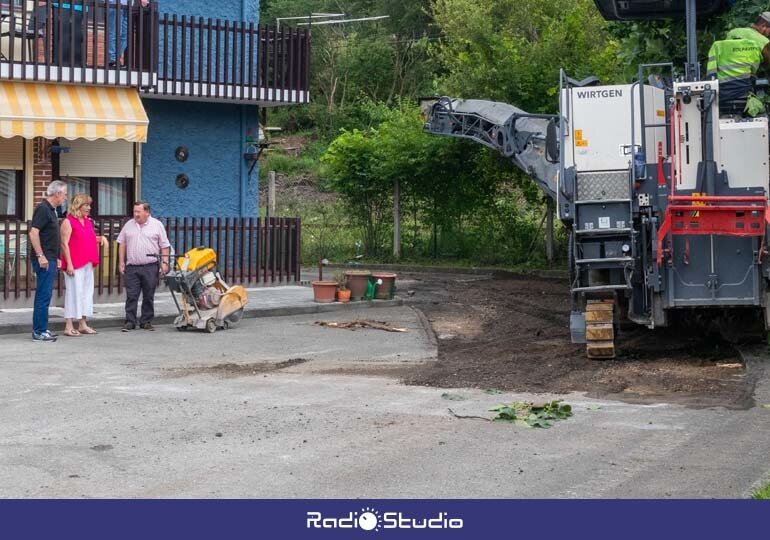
(202, 297)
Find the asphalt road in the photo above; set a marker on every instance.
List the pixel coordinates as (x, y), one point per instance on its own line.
(281, 407)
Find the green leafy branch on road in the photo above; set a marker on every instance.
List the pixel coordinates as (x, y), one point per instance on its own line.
(531, 415)
(762, 493)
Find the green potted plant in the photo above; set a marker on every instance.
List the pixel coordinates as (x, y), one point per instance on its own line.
(343, 293)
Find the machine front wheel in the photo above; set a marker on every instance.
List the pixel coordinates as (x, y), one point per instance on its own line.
(211, 326)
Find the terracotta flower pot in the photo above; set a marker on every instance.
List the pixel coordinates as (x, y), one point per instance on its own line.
(343, 295)
(357, 281)
(324, 292)
(388, 287)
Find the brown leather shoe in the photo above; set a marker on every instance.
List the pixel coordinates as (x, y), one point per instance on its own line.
(146, 326)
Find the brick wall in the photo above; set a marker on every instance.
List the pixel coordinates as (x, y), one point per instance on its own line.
(99, 48)
(41, 168)
(89, 58)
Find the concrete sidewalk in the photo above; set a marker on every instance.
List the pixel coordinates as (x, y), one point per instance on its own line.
(263, 302)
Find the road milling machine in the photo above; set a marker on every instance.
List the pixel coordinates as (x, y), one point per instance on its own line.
(664, 198)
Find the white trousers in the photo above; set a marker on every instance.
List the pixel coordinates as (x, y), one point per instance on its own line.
(79, 293)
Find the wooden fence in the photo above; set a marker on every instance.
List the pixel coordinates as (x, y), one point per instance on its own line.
(250, 251)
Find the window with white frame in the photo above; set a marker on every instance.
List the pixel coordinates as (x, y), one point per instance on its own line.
(103, 169)
(11, 178)
(112, 197)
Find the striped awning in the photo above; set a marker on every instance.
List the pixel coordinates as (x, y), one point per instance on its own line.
(71, 112)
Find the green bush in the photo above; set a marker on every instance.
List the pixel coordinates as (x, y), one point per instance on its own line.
(460, 202)
(307, 162)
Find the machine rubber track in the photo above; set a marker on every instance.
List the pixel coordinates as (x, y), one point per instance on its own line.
(600, 329)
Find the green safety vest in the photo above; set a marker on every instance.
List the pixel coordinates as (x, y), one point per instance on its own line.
(734, 59)
(748, 33)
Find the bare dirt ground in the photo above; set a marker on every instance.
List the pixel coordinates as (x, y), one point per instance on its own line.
(511, 332)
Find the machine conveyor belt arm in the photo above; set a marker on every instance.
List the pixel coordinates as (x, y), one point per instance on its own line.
(516, 134)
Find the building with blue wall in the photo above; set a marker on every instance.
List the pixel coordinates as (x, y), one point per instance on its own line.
(172, 119)
(214, 136)
(233, 10)
(214, 132)
(190, 86)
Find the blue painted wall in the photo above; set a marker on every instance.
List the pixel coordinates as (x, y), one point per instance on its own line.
(219, 180)
(214, 134)
(233, 10)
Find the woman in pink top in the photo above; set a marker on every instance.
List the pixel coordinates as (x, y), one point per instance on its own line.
(80, 254)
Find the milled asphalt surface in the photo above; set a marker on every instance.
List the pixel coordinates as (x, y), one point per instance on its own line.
(167, 414)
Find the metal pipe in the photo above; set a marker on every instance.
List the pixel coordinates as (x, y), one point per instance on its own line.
(633, 135)
(658, 64)
(719, 198)
(692, 68)
(689, 208)
(564, 101)
(645, 223)
(709, 166)
(303, 17)
(321, 23)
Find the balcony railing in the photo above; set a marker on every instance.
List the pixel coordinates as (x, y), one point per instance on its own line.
(210, 59)
(69, 41)
(168, 56)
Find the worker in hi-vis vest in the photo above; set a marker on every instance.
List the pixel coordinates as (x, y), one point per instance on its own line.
(734, 62)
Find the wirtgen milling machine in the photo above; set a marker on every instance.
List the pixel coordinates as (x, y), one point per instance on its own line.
(665, 199)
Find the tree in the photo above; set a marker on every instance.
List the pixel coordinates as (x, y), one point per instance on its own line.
(377, 61)
(511, 50)
(351, 165)
(441, 178)
(666, 40)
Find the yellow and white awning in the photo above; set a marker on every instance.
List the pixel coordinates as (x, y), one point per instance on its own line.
(52, 111)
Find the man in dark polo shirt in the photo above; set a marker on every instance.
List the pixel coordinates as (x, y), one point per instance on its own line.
(44, 237)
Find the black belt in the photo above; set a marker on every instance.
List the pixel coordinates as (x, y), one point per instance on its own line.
(148, 264)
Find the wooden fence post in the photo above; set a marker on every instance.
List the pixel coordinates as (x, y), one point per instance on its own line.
(396, 219)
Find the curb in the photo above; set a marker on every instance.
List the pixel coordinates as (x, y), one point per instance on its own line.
(426, 326)
(255, 313)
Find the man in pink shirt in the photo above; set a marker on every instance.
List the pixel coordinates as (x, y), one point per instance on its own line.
(139, 243)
